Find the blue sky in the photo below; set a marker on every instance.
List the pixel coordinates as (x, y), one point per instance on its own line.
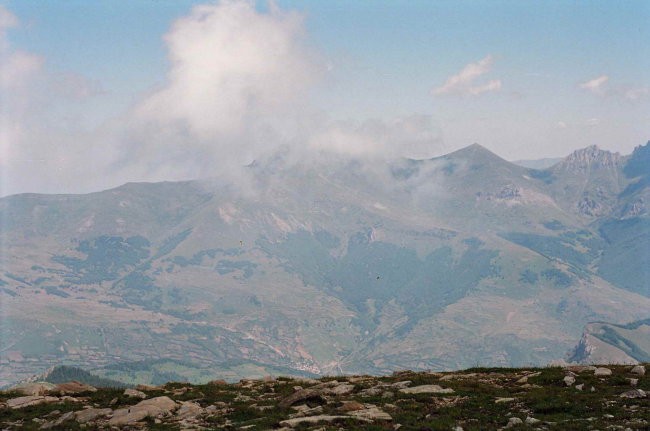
(525, 79)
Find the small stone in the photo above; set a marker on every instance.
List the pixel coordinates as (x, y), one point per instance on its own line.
(350, 406)
(514, 421)
(634, 382)
(569, 380)
(532, 421)
(580, 386)
(638, 370)
(634, 393)
(601, 371)
(503, 400)
(592, 389)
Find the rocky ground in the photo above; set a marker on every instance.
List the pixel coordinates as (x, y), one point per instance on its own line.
(554, 398)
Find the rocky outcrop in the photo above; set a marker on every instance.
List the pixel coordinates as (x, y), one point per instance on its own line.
(491, 399)
(591, 157)
(153, 408)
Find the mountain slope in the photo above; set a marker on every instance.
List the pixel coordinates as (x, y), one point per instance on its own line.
(333, 267)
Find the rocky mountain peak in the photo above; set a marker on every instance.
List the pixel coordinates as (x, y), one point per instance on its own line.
(591, 157)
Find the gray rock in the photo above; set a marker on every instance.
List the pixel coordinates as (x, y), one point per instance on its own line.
(135, 393)
(634, 382)
(401, 385)
(427, 389)
(513, 422)
(189, 411)
(31, 400)
(154, 407)
(372, 413)
(88, 415)
(580, 386)
(342, 389)
(64, 418)
(569, 380)
(301, 395)
(531, 421)
(638, 370)
(601, 371)
(634, 393)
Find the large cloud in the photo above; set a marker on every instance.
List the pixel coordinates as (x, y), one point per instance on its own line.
(237, 79)
(237, 89)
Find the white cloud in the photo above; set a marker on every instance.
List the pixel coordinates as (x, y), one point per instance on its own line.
(230, 63)
(592, 122)
(561, 125)
(463, 83)
(415, 136)
(601, 87)
(237, 85)
(596, 85)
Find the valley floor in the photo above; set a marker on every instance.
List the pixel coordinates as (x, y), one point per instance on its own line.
(553, 398)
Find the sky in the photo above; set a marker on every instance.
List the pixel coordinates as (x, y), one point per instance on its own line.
(97, 93)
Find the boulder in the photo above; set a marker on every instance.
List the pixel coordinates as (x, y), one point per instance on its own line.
(601, 371)
(30, 400)
(569, 380)
(88, 415)
(189, 411)
(638, 370)
(135, 393)
(302, 395)
(154, 407)
(427, 389)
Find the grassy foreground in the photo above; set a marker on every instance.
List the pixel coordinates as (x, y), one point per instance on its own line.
(553, 398)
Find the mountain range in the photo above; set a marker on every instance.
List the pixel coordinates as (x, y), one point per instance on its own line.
(332, 266)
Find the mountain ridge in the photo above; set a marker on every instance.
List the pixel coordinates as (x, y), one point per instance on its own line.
(439, 263)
